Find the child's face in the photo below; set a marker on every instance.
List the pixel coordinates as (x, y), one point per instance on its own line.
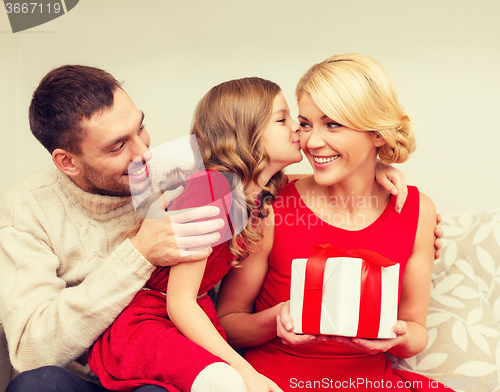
(281, 136)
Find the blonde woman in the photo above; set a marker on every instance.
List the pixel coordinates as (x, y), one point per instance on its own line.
(349, 116)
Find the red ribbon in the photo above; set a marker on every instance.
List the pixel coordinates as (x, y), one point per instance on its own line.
(371, 288)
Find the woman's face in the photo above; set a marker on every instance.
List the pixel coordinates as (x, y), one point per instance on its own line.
(280, 138)
(335, 152)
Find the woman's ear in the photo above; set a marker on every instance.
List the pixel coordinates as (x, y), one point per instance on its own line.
(378, 140)
(66, 162)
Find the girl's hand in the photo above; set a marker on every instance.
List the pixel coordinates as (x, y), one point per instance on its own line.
(393, 181)
(284, 325)
(375, 346)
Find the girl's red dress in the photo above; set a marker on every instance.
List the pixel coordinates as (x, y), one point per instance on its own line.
(332, 366)
(142, 346)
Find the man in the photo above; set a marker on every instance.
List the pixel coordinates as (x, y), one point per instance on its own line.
(66, 270)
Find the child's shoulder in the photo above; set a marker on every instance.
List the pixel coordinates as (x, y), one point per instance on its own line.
(203, 188)
(212, 180)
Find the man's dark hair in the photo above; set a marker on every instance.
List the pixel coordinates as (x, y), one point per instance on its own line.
(64, 97)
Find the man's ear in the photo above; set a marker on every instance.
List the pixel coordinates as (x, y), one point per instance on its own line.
(66, 162)
(378, 140)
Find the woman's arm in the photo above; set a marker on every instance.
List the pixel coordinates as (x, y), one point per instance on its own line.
(237, 294)
(411, 328)
(416, 285)
(192, 322)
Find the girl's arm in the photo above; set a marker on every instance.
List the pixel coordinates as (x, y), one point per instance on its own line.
(182, 290)
(237, 294)
(393, 181)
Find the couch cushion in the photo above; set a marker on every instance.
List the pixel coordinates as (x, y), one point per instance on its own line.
(463, 320)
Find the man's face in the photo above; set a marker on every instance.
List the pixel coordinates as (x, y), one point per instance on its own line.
(115, 138)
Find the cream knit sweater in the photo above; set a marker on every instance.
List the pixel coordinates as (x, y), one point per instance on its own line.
(65, 273)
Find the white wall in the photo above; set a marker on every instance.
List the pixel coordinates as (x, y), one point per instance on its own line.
(444, 55)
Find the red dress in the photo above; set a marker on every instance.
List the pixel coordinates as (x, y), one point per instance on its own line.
(142, 346)
(330, 366)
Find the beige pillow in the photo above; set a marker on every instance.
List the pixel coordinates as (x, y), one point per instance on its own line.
(463, 319)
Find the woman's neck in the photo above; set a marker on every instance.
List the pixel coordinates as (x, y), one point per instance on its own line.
(341, 202)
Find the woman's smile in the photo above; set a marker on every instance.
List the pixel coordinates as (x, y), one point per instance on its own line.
(321, 161)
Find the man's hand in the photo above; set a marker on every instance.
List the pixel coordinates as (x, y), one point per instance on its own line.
(438, 233)
(166, 240)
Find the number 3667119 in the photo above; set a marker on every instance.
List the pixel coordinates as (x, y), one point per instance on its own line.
(32, 8)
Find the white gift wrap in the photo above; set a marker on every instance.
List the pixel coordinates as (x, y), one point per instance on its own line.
(341, 297)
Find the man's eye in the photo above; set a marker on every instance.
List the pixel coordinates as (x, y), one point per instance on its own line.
(118, 148)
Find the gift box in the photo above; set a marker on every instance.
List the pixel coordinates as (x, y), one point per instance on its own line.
(348, 293)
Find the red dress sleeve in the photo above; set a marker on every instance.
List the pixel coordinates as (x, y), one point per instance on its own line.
(207, 188)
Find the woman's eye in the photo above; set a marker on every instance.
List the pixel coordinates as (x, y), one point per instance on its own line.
(332, 125)
(304, 127)
(283, 120)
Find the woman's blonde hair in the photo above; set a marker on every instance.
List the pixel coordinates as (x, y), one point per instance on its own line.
(356, 91)
(228, 124)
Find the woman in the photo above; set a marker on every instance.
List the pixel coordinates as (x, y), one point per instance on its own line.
(349, 115)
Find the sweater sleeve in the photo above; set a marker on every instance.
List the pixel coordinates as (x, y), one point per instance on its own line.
(52, 312)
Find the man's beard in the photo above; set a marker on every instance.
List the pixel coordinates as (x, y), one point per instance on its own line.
(102, 185)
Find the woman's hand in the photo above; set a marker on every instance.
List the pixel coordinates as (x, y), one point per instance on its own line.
(393, 181)
(374, 346)
(284, 326)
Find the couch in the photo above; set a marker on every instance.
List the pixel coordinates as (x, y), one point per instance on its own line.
(464, 314)
(463, 320)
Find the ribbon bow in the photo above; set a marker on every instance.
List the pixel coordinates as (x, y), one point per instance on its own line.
(371, 288)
